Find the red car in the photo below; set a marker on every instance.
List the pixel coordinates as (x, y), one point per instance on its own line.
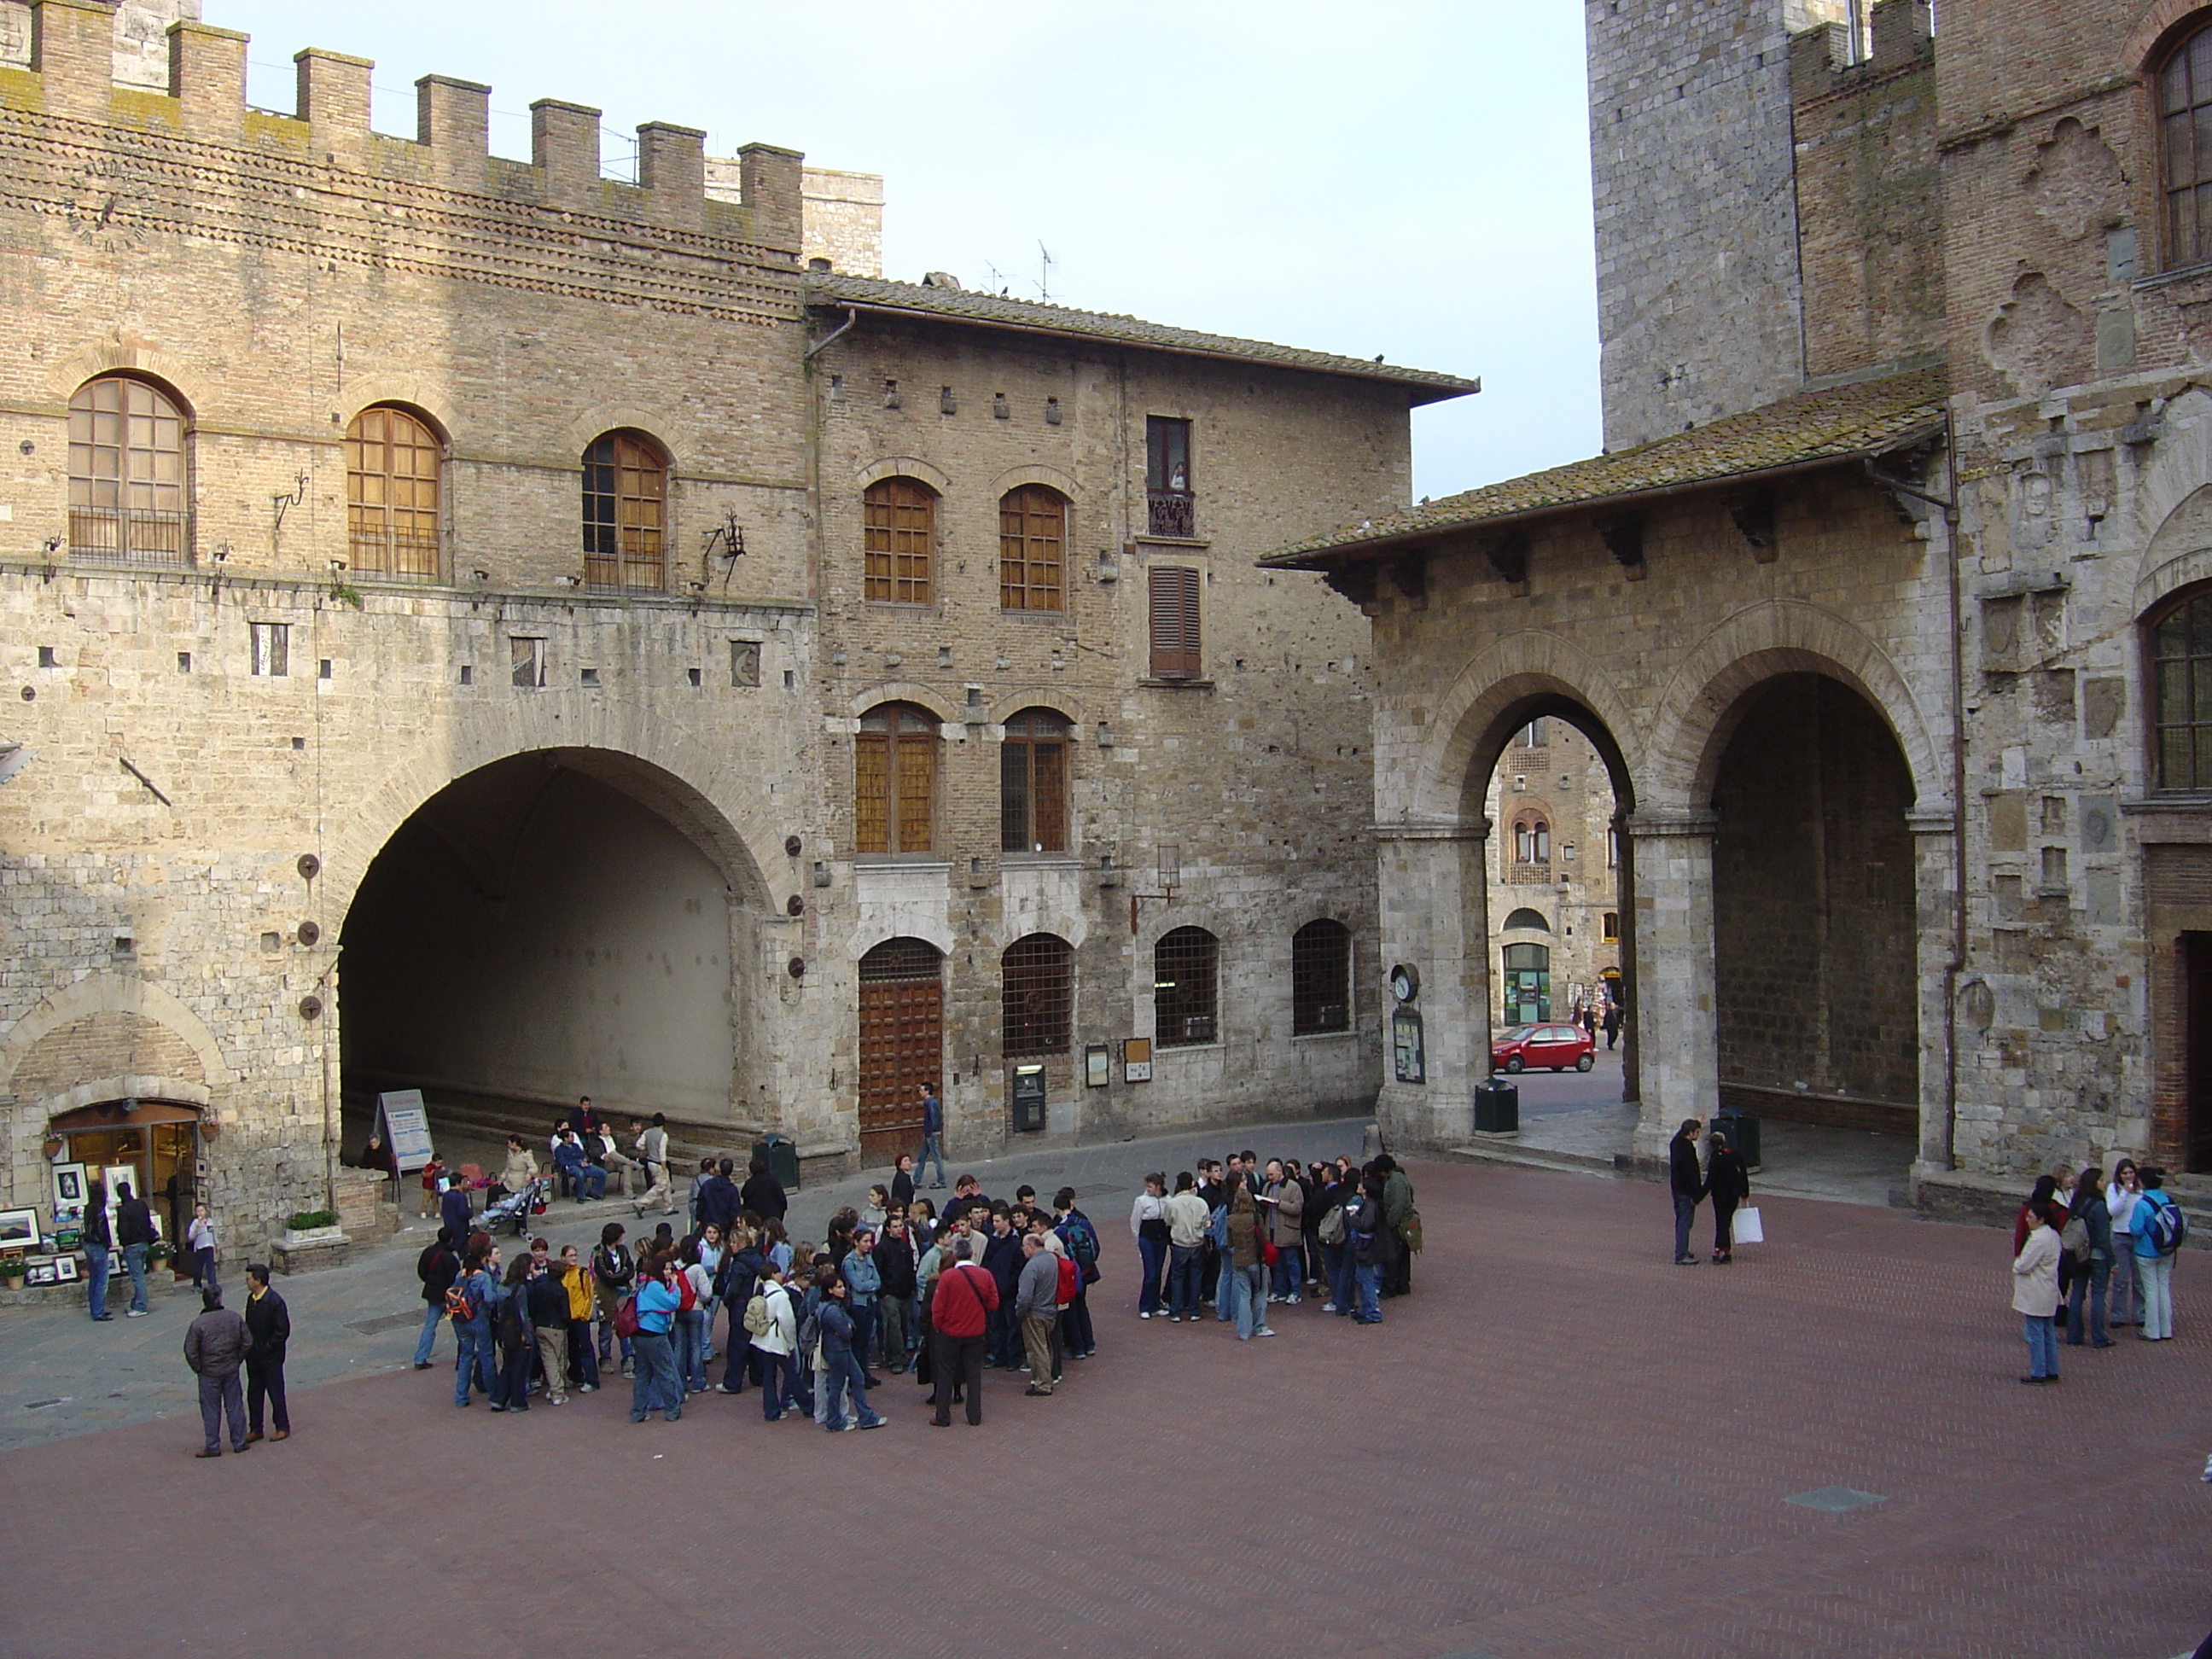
(1554, 1048)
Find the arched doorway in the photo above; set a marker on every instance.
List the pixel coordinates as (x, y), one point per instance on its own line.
(556, 923)
(902, 1044)
(1816, 934)
(153, 1144)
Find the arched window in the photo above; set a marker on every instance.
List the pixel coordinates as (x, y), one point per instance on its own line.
(126, 474)
(1037, 981)
(1320, 978)
(900, 516)
(1531, 736)
(1033, 784)
(1032, 548)
(393, 464)
(625, 513)
(895, 780)
(1186, 967)
(1532, 839)
(2185, 107)
(1527, 919)
(2181, 693)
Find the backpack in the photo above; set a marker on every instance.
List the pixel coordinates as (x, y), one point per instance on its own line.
(512, 1327)
(2168, 1228)
(461, 1307)
(1217, 1228)
(626, 1317)
(1409, 1231)
(810, 1334)
(2075, 1241)
(1331, 1230)
(757, 1319)
(1083, 1244)
(1070, 1280)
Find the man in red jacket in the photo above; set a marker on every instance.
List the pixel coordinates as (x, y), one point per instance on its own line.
(960, 1304)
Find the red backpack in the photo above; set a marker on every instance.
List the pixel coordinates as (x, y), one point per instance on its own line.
(1070, 1280)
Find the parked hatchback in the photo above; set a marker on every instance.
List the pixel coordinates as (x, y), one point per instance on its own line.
(1542, 1047)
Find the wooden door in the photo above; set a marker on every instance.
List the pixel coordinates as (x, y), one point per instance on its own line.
(2197, 968)
(902, 1044)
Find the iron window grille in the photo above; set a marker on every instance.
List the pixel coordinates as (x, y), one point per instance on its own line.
(1186, 970)
(1320, 978)
(1037, 996)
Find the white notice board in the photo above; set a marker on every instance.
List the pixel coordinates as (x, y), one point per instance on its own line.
(406, 1128)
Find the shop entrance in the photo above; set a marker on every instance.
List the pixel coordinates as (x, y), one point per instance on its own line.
(155, 1142)
(1528, 984)
(902, 1044)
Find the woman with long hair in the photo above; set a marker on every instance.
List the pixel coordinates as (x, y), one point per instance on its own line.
(1148, 1223)
(2092, 1277)
(691, 1322)
(516, 1338)
(2121, 1196)
(1248, 1286)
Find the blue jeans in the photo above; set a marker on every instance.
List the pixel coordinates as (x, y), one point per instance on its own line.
(2127, 1294)
(433, 1313)
(844, 1377)
(590, 1183)
(2095, 1277)
(510, 1380)
(472, 1364)
(1336, 1269)
(1224, 1295)
(654, 1384)
(1289, 1269)
(95, 1279)
(1246, 1291)
(1370, 1277)
(864, 1332)
(1685, 1212)
(2042, 1347)
(1183, 1281)
(1151, 1255)
(2154, 1274)
(931, 1152)
(781, 1388)
(204, 1269)
(134, 1258)
(690, 1334)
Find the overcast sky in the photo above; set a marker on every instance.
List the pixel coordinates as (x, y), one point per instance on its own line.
(1410, 177)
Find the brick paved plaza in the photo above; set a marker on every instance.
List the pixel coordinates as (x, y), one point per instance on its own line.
(1560, 1445)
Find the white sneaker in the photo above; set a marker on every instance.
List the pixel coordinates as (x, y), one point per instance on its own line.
(1329, 1307)
(1144, 1316)
(134, 1313)
(1263, 1331)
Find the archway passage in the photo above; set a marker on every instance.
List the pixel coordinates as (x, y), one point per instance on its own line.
(1815, 938)
(902, 1044)
(536, 931)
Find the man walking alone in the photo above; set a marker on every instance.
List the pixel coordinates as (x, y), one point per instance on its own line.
(932, 1136)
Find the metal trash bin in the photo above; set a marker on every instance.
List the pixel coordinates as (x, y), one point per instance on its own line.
(1742, 1129)
(1497, 1107)
(780, 1154)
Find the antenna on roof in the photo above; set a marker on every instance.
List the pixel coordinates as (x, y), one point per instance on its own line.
(1044, 270)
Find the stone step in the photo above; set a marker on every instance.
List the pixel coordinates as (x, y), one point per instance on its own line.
(1507, 1154)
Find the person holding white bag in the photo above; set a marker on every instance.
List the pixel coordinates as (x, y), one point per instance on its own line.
(1728, 1181)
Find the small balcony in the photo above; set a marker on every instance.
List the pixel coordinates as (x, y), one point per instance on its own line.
(393, 556)
(131, 536)
(1171, 512)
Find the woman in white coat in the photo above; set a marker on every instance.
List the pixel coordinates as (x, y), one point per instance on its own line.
(2035, 1294)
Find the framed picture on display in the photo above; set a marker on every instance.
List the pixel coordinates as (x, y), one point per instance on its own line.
(19, 1229)
(69, 1186)
(66, 1271)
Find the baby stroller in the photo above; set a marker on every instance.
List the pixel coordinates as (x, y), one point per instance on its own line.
(513, 1211)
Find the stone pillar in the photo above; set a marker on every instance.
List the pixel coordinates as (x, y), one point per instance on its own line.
(1678, 1041)
(1935, 860)
(1435, 913)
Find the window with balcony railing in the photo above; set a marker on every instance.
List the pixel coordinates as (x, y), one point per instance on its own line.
(392, 467)
(127, 502)
(1170, 507)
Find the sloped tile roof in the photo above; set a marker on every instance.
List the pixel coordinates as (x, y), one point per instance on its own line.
(1003, 311)
(1870, 417)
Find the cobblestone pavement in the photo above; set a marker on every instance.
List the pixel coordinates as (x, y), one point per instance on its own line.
(1559, 1445)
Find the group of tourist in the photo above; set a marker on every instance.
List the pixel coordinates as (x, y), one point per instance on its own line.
(1241, 1237)
(2084, 1244)
(894, 1287)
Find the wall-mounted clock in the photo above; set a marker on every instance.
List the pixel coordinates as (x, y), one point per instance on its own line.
(107, 207)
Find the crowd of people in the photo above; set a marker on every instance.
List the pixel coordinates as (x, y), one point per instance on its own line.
(2090, 1254)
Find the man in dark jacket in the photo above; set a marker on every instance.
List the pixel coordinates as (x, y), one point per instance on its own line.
(134, 1231)
(438, 1267)
(1687, 1179)
(98, 1242)
(453, 1211)
(762, 1193)
(1002, 1259)
(1728, 1183)
(215, 1345)
(719, 1199)
(269, 1323)
(895, 1262)
(932, 1135)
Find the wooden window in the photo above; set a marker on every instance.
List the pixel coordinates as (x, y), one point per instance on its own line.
(1174, 592)
(1609, 930)
(269, 648)
(1186, 970)
(1529, 857)
(1170, 504)
(1032, 548)
(900, 519)
(895, 780)
(2181, 694)
(1037, 998)
(2184, 107)
(1033, 784)
(1320, 978)
(126, 474)
(1531, 736)
(902, 1044)
(392, 466)
(625, 515)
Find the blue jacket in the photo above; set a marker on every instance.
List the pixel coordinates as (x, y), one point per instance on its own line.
(933, 1115)
(836, 1329)
(862, 1279)
(2139, 1223)
(569, 1158)
(453, 1211)
(656, 1307)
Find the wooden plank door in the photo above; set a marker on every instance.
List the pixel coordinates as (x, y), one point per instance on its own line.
(901, 1049)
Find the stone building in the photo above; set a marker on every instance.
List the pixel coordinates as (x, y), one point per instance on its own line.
(1554, 914)
(1882, 606)
(484, 626)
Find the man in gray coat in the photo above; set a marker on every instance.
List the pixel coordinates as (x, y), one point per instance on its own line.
(1036, 1307)
(215, 1345)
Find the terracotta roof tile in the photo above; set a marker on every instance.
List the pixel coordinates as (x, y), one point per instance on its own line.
(1866, 418)
(1003, 311)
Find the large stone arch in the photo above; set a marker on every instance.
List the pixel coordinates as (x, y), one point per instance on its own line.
(1703, 701)
(2173, 513)
(1480, 712)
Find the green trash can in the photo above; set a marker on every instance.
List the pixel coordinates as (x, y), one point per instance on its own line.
(780, 1153)
(1742, 1129)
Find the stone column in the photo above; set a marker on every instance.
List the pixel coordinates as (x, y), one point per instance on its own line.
(1678, 1043)
(1435, 913)
(1934, 860)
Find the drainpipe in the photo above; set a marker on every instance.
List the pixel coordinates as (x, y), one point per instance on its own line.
(851, 318)
(1947, 504)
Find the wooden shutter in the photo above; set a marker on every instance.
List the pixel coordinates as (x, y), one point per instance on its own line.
(872, 790)
(1174, 592)
(915, 770)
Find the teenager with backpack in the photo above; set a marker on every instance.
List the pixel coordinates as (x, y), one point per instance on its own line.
(438, 1267)
(772, 1321)
(2159, 1229)
(614, 1272)
(2088, 1238)
(468, 1306)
